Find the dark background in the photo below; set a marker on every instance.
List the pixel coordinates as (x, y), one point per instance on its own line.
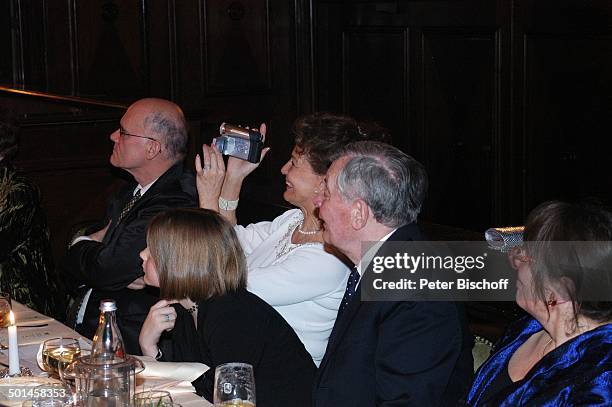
(507, 103)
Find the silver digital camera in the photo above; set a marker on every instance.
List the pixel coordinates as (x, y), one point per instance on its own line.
(236, 141)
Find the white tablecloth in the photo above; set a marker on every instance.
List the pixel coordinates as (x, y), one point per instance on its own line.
(30, 339)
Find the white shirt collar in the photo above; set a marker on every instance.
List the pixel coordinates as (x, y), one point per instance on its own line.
(144, 189)
(367, 257)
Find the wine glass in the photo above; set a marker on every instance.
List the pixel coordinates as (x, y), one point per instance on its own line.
(234, 385)
(58, 353)
(152, 398)
(5, 309)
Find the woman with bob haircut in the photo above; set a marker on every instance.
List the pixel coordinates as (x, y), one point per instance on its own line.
(206, 314)
(561, 354)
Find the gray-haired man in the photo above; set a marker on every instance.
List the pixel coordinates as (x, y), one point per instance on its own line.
(385, 352)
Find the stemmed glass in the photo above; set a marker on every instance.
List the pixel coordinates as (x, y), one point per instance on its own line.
(5, 309)
(58, 353)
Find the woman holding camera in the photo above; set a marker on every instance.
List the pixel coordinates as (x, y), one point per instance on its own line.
(194, 257)
(288, 265)
(561, 354)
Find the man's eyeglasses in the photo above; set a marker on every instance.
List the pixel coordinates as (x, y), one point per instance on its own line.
(124, 133)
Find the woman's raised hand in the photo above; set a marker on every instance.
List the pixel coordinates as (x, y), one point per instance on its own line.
(210, 173)
(237, 169)
(161, 318)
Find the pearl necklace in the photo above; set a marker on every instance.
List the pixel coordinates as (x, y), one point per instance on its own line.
(307, 232)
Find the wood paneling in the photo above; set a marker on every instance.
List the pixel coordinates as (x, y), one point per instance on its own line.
(375, 74)
(506, 102)
(236, 46)
(436, 74)
(110, 49)
(6, 43)
(61, 63)
(567, 117)
(458, 117)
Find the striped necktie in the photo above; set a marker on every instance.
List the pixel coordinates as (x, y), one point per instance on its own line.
(129, 205)
(351, 285)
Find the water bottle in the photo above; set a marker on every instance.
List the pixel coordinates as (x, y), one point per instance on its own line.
(107, 342)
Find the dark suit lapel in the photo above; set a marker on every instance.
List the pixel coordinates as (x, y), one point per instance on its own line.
(405, 233)
(120, 202)
(171, 175)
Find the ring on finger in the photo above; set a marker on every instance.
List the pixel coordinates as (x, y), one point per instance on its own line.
(167, 317)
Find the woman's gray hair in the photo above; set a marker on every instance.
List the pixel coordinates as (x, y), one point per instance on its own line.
(392, 183)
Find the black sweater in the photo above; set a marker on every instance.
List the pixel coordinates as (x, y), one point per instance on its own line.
(240, 327)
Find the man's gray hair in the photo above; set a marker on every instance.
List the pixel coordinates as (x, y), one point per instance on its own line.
(171, 131)
(392, 183)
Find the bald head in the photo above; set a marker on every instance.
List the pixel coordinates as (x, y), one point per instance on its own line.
(163, 120)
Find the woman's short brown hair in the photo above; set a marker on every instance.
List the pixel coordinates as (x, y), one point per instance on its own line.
(197, 254)
(322, 136)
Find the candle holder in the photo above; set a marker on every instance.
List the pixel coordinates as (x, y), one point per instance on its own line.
(23, 371)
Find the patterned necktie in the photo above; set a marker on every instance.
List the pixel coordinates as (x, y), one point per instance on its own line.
(129, 205)
(351, 284)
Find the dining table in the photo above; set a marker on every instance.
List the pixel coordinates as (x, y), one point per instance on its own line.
(33, 328)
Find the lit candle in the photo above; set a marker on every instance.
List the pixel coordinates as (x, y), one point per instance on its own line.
(13, 347)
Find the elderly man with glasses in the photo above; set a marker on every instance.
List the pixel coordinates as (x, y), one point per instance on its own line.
(150, 144)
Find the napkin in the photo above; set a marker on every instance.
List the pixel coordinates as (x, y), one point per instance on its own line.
(504, 239)
(182, 371)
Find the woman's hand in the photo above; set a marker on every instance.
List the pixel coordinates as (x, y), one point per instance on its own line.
(209, 177)
(161, 318)
(237, 169)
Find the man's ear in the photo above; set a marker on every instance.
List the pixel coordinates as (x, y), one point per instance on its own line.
(360, 213)
(153, 149)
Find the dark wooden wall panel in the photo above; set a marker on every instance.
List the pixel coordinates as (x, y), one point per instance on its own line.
(34, 41)
(68, 159)
(568, 117)
(237, 46)
(562, 82)
(437, 75)
(110, 49)
(160, 26)
(328, 66)
(7, 29)
(375, 75)
(189, 32)
(457, 107)
(60, 59)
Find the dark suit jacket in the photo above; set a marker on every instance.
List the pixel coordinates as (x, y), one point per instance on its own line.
(241, 327)
(396, 353)
(111, 265)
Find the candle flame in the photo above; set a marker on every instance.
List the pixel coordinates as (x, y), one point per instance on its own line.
(12, 317)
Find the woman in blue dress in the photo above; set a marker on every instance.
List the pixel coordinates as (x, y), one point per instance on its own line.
(561, 354)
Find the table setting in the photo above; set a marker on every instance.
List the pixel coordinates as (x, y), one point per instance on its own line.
(37, 367)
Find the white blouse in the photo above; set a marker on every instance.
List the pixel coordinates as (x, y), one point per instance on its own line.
(301, 281)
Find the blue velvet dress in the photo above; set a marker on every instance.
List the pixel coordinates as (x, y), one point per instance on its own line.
(577, 373)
